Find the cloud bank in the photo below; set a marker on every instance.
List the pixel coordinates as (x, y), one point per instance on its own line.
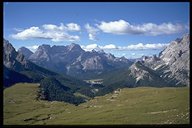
(139, 46)
(63, 32)
(50, 31)
(123, 27)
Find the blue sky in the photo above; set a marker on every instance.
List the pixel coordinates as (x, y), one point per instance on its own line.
(125, 29)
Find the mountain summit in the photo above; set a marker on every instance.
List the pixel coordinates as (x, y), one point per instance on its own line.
(25, 51)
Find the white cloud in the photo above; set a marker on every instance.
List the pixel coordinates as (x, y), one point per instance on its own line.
(33, 48)
(73, 27)
(68, 27)
(49, 27)
(32, 32)
(115, 27)
(90, 47)
(110, 46)
(124, 27)
(49, 31)
(92, 31)
(139, 46)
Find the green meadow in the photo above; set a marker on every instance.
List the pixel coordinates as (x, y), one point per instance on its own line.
(142, 105)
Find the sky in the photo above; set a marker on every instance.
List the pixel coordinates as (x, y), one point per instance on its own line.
(130, 29)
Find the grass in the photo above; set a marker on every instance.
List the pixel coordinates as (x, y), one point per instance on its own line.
(143, 105)
(81, 95)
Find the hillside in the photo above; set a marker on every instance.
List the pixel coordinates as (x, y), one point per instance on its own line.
(142, 105)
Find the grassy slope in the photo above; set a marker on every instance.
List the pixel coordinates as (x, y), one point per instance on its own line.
(144, 105)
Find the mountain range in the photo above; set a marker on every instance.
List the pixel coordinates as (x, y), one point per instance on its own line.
(68, 64)
(74, 61)
(171, 65)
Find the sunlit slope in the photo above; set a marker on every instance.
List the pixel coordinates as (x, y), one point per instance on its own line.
(144, 105)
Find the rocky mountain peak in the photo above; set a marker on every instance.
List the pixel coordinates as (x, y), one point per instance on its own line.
(8, 48)
(25, 51)
(144, 58)
(123, 58)
(110, 56)
(175, 50)
(11, 58)
(44, 47)
(93, 63)
(137, 71)
(74, 46)
(184, 39)
(41, 53)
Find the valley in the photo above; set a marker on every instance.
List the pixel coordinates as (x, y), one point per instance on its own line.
(95, 88)
(95, 63)
(141, 105)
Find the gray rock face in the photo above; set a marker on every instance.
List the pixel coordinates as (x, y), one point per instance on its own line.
(173, 62)
(152, 62)
(137, 72)
(93, 63)
(55, 58)
(25, 51)
(145, 76)
(73, 60)
(42, 53)
(11, 58)
(176, 57)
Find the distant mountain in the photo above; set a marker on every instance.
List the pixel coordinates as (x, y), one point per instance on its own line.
(74, 61)
(25, 51)
(56, 58)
